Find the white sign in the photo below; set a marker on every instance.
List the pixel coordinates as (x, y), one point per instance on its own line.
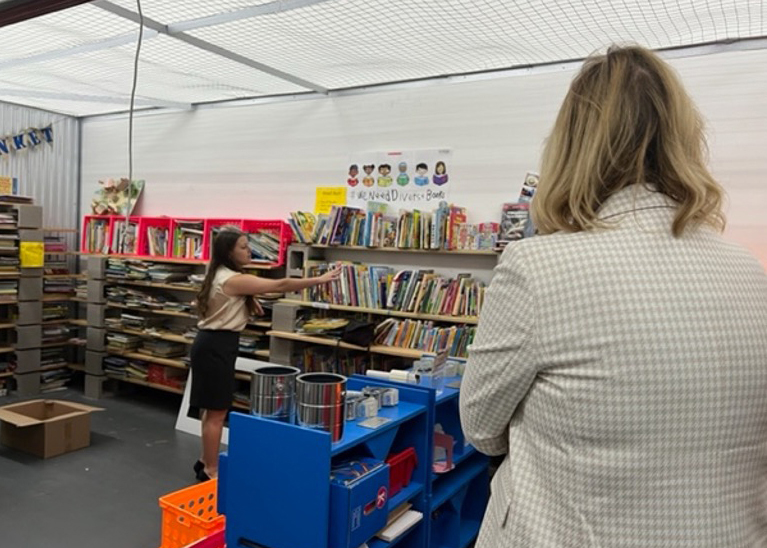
(406, 179)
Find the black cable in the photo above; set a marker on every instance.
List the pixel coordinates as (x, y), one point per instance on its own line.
(130, 111)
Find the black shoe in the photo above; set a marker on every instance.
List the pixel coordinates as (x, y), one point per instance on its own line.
(198, 467)
(202, 476)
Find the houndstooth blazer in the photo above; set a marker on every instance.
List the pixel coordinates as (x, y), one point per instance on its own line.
(624, 373)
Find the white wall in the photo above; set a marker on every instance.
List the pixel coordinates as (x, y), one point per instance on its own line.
(265, 160)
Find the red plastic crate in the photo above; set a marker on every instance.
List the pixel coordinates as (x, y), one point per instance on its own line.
(401, 467)
(114, 222)
(144, 224)
(280, 228)
(210, 224)
(87, 220)
(175, 223)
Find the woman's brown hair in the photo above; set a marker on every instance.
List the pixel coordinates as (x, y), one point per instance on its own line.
(626, 119)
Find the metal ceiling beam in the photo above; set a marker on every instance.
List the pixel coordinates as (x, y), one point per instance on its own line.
(16, 11)
(63, 96)
(76, 50)
(207, 46)
(276, 6)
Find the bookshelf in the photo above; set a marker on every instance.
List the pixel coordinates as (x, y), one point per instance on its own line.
(419, 307)
(133, 322)
(352, 248)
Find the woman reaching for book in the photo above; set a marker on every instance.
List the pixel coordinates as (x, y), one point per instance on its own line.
(225, 304)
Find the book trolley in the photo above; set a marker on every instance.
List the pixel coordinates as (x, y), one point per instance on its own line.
(277, 493)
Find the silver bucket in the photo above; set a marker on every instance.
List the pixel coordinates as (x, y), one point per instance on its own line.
(273, 392)
(321, 399)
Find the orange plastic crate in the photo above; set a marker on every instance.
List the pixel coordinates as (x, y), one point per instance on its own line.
(190, 514)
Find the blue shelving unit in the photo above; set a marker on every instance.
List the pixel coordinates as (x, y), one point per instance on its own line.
(274, 482)
(456, 500)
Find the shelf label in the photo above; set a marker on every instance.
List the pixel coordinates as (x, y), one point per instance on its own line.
(324, 306)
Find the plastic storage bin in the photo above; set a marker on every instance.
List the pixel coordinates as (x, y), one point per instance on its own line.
(190, 515)
(401, 466)
(212, 224)
(154, 223)
(96, 237)
(281, 229)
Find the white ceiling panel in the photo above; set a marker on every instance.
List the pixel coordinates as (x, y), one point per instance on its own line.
(81, 59)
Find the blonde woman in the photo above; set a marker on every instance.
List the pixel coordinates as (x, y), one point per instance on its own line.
(620, 362)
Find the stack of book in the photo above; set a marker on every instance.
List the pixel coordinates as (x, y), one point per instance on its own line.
(420, 291)
(250, 343)
(81, 289)
(7, 218)
(54, 243)
(8, 247)
(137, 369)
(122, 342)
(52, 381)
(162, 349)
(264, 246)
(55, 311)
(425, 336)
(187, 239)
(114, 365)
(55, 334)
(303, 224)
(167, 273)
(8, 290)
(52, 357)
(156, 241)
(125, 237)
(96, 240)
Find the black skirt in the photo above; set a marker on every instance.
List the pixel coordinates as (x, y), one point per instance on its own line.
(213, 356)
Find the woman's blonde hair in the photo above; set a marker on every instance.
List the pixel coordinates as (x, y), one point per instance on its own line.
(626, 119)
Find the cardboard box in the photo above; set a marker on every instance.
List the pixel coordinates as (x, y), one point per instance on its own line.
(46, 428)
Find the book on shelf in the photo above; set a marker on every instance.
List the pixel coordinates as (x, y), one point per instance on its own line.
(514, 222)
(15, 199)
(323, 359)
(162, 349)
(415, 291)
(425, 336)
(54, 243)
(156, 241)
(125, 237)
(96, 231)
(264, 246)
(187, 239)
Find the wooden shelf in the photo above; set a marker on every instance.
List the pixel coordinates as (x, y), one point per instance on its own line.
(239, 405)
(153, 311)
(61, 297)
(64, 277)
(178, 364)
(487, 252)
(131, 380)
(257, 353)
(383, 312)
(54, 367)
(64, 343)
(79, 323)
(58, 229)
(6, 374)
(10, 274)
(375, 349)
(6, 349)
(8, 301)
(7, 325)
(77, 367)
(146, 335)
(63, 253)
(265, 325)
(139, 283)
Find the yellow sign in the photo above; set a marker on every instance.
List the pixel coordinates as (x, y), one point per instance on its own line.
(8, 185)
(31, 254)
(328, 196)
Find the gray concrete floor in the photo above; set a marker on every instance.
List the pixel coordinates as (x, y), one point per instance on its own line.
(104, 495)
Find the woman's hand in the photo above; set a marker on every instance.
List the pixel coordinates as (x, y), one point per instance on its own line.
(330, 275)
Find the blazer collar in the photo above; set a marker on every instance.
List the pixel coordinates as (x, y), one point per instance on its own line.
(637, 197)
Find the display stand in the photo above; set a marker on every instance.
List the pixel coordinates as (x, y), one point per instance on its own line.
(274, 481)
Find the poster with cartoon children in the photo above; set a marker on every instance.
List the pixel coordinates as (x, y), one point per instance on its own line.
(421, 178)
